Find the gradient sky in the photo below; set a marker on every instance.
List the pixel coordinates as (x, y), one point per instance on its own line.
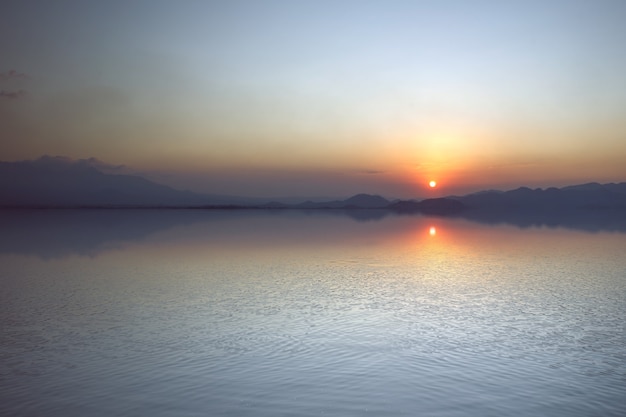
(302, 98)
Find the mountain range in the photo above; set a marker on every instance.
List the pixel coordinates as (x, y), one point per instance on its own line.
(61, 182)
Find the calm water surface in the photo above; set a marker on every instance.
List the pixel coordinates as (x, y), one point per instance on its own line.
(190, 313)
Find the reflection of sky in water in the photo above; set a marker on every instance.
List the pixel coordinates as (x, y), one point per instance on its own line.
(58, 233)
(301, 313)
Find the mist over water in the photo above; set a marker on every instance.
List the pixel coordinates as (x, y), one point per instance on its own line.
(293, 313)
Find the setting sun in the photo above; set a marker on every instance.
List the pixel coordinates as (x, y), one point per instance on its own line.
(432, 184)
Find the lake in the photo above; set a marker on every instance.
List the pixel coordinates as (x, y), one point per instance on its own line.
(295, 313)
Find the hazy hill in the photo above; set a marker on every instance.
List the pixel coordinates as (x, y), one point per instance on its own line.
(62, 182)
(591, 195)
(583, 196)
(356, 201)
(57, 181)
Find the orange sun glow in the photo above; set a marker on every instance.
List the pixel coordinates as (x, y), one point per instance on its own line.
(432, 183)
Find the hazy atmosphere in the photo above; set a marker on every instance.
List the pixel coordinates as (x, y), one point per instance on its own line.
(303, 208)
(320, 98)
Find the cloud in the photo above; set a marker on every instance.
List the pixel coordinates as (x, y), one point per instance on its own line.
(92, 162)
(104, 166)
(9, 76)
(12, 95)
(12, 75)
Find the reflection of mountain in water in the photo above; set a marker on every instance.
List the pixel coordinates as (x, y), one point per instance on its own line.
(58, 233)
(87, 232)
(590, 220)
(359, 215)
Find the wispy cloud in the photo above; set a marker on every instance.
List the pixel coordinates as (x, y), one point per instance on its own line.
(92, 162)
(12, 95)
(12, 75)
(371, 171)
(104, 166)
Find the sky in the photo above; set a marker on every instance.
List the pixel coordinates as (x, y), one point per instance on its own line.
(325, 98)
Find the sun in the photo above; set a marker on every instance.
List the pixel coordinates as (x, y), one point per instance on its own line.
(432, 184)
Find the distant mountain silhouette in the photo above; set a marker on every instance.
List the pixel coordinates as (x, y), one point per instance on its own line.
(361, 201)
(591, 195)
(584, 196)
(61, 182)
